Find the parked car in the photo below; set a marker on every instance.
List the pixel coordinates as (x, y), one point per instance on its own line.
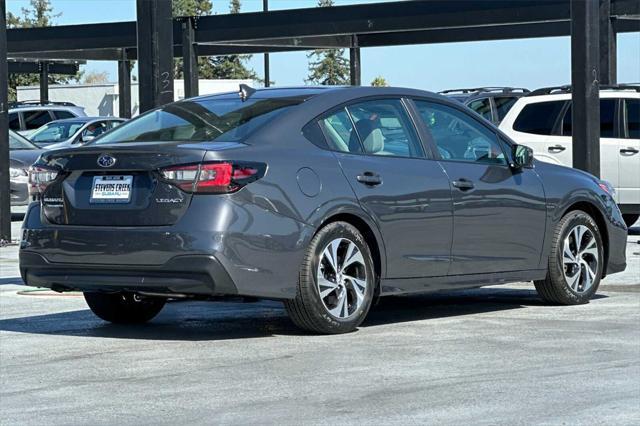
(542, 120)
(22, 154)
(73, 132)
(324, 198)
(26, 116)
(492, 103)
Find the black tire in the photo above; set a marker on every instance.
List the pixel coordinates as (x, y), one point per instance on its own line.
(554, 288)
(307, 310)
(630, 219)
(124, 308)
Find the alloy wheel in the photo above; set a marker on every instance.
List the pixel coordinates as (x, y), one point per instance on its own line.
(342, 278)
(580, 257)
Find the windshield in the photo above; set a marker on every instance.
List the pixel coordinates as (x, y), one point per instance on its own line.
(56, 131)
(18, 142)
(200, 120)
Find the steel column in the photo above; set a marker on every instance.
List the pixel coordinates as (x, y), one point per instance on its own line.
(155, 53)
(189, 58)
(354, 62)
(608, 65)
(44, 81)
(585, 61)
(267, 77)
(124, 86)
(5, 191)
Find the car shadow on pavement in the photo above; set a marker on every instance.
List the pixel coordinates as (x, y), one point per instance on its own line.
(200, 321)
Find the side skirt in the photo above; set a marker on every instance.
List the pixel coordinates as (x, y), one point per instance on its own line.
(452, 282)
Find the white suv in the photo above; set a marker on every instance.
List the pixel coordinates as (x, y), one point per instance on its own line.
(542, 121)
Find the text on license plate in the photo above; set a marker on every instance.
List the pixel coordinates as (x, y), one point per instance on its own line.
(111, 189)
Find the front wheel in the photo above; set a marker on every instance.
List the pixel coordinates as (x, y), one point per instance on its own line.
(124, 308)
(336, 282)
(575, 263)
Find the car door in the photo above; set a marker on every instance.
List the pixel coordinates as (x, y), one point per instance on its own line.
(407, 195)
(499, 213)
(629, 154)
(610, 154)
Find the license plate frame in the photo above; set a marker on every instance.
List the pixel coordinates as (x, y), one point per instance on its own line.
(111, 195)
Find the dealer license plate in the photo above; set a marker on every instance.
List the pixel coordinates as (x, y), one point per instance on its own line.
(111, 189)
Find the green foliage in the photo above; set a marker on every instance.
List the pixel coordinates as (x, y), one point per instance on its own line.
(39, 14)
(329, 66)
(379, 81)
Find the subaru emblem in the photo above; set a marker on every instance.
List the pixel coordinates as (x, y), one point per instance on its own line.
(105, 160)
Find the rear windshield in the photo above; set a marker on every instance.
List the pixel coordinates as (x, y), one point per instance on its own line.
(201, 120)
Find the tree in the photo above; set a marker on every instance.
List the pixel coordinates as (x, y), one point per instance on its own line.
(95, 77)
(329, 66)
(39, 14)
(379, 81)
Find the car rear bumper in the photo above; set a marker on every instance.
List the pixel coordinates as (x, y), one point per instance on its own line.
(191, 275)
(221, 246)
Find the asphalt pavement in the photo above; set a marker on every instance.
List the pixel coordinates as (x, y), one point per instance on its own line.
(495, 355)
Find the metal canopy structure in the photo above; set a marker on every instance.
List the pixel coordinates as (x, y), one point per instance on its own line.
(153, 37)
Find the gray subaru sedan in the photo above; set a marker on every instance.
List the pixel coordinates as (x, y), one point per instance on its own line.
(324, 198)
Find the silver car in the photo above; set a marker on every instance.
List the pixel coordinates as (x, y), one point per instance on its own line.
(73, 132)
(22, 154)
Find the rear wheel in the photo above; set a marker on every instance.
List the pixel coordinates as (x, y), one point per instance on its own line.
(575, 262)
(336, 282)
(630, 219)
(124, 308)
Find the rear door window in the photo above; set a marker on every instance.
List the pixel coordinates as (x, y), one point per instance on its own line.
(503, 105)
(35, 119)
(538, 118)
(339, 132)
(384, 128)
(61, 115)
(14, 121)
(632, 112)
(482, 107)
(607, 119)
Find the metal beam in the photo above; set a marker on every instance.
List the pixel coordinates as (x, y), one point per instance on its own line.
(585, 91)
(124, 87)
(44, 81)
(354, 62)
(5, 189)
(189, 59)
(607, 45)
(267, 77)
(34, 68)
(155, 53)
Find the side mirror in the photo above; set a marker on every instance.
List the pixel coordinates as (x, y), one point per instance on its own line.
(87, 138)
(522, 157)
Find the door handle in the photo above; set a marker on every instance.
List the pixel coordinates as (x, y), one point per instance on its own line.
(556, 148)
(369, 179)
(463, 184)
(629, 150)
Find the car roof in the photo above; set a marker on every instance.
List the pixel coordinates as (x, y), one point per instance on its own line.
(86, 119)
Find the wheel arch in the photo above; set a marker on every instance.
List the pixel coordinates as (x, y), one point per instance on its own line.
(599, 218)
(370, 234)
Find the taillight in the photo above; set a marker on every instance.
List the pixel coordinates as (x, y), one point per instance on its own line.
(213, 178)
(39, 179)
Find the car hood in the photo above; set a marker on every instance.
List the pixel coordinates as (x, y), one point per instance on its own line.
(24, 157)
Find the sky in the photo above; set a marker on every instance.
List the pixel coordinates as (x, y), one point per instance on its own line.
(527, 63)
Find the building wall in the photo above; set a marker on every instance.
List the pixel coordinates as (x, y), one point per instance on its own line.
(102, 99)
